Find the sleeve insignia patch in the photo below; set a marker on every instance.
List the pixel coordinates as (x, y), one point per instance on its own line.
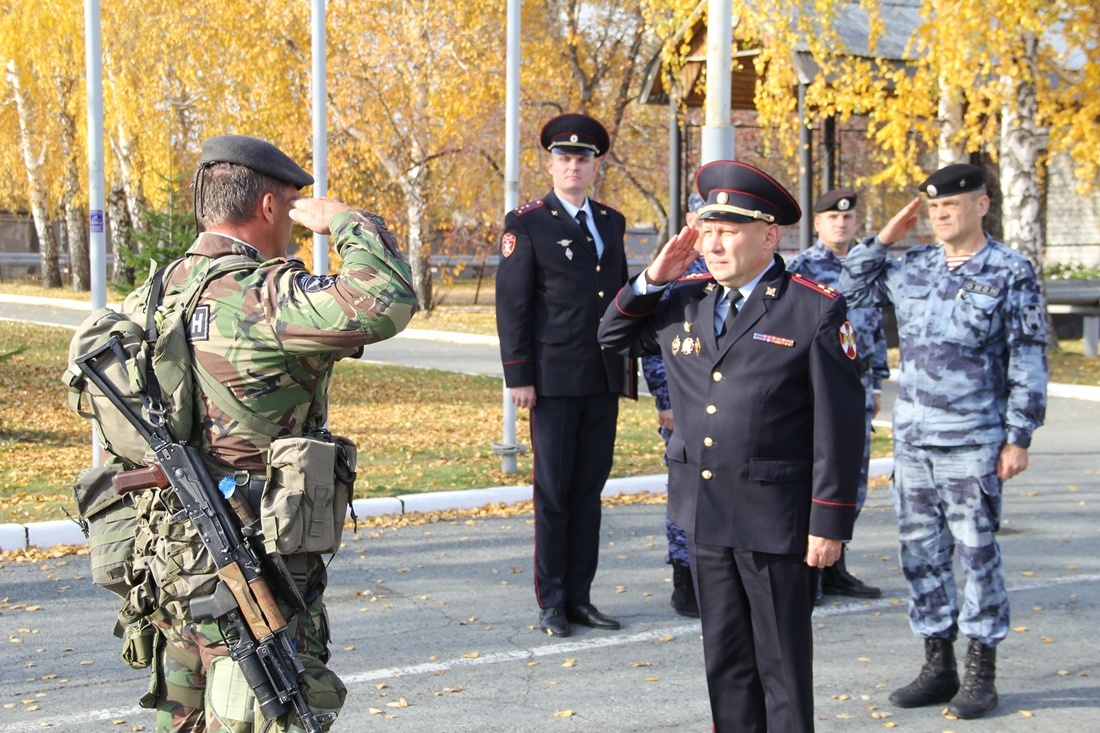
(1032, 317)
(848, 340)
(199, 325)
(507, 244)
(316, 283)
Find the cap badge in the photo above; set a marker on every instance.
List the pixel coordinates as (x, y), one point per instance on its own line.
(843, 205)
(931, 190)
(573, 138)
(962, 183)
(723, 198)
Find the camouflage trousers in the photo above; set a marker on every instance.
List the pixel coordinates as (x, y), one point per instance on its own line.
(677, 545)
(861, 496)
(949, 500)
(188, 650)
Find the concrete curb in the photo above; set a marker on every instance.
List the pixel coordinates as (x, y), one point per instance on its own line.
(65, 532)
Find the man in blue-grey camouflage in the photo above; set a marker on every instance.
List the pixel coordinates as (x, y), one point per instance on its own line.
(971, 391)
(653, 369)
(835, 222)
(263, 342)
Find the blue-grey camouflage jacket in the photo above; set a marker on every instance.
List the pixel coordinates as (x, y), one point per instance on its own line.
(821, 264)
(972, 341)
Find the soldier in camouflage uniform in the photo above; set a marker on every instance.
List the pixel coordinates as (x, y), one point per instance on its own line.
(972, 390)
(653, 369)
(271, 334)
(835, 222)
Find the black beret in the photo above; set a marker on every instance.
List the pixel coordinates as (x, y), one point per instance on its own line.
(953, 179)
(739, 192)
(576, 134)
(841, 199)
(259, 155)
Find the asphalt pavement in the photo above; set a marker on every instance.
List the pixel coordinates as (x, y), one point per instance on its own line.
(434, 625)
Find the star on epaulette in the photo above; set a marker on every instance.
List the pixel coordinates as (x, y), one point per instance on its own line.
(826, 290)
(529, 206)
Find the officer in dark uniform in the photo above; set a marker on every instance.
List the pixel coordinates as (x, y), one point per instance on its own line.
(764, 463)
(561, 263)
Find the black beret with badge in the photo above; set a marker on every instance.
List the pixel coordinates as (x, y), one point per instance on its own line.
(840, 199)
(575, 134)
(952, 180)
(742, 193)
(259, 155)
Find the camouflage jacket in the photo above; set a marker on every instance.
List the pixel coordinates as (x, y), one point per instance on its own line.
(821, 264)
(272, 334)
(972, 341)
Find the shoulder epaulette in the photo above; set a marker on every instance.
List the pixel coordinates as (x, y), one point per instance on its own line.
(529, 206)
(696, 276)
(826, 290)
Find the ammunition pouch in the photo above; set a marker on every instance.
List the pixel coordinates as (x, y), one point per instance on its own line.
(109, 521)
(308, 490)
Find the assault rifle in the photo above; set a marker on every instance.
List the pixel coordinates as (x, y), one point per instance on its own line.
(258, 639)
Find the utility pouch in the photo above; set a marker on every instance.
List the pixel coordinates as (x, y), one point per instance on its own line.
(229, 700)
(303, 504)
(110, 521)
(139, 644)
(324, 693)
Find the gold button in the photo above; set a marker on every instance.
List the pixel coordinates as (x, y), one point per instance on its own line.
(707, 475)
(708, 442)
(711, 409)
(717, 376)
(600, 293)
(597, 268)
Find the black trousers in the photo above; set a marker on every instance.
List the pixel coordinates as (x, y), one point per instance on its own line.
(573, 440)
(757, 638)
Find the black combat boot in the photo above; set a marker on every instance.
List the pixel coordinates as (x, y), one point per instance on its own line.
(938, 680)
(837, 581)
(978, 695)
(683, 591)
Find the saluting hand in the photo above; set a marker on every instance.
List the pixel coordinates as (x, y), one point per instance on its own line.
(315, 213)
(902, 222)
(674, 258)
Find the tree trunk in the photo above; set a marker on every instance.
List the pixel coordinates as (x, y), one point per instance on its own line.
(122, 233)
(76, 217)
(1019, 170)
(47, 242)
(950, 117)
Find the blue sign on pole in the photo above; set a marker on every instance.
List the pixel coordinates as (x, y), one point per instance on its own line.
(96, 220)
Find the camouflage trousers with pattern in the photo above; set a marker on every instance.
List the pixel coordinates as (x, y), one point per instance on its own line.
(948, 500)
(187, 651)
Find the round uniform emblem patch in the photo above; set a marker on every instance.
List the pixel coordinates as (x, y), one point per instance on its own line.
(507, 244)
(848, 340)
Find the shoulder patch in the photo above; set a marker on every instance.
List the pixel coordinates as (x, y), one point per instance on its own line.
(826, 290)
(529, 206)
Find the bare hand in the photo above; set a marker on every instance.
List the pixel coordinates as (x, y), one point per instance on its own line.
(675, 256)
(664, 419)
(1013, 460)
(902, 222)
(524, 396)
(315, 213)
(821, 552)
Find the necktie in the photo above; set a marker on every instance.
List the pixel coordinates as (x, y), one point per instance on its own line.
(721, 327)
(582, 219)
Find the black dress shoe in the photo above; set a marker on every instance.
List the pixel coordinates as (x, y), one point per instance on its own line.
(552, 620)
(589, 615)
